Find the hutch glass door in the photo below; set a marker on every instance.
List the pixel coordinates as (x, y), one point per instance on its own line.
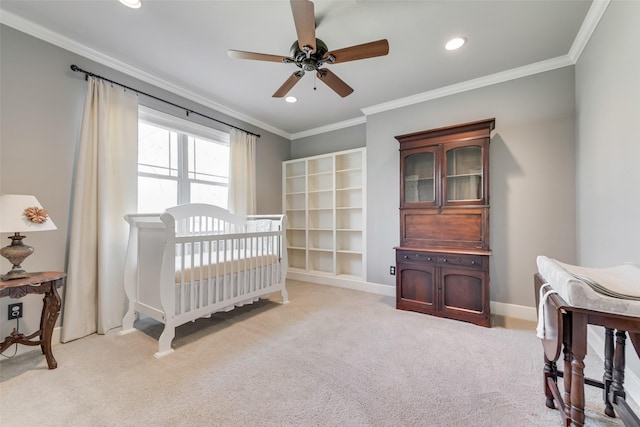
(419, 177)
(464, 174)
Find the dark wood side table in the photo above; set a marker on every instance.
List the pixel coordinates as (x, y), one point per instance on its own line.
(46, 283)
(570, 323)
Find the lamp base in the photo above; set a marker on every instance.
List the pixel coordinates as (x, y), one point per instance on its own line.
(16, 253)
(15, 274)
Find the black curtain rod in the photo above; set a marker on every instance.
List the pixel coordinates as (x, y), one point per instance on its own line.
(188, 111)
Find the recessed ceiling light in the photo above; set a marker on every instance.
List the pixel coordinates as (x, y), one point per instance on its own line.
(134, 4)
(456, 43)
(291, 99)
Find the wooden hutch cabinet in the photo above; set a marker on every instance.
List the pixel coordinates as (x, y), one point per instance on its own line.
(442, 263)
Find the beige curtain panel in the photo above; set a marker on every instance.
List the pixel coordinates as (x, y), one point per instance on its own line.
(242, 173)
(105, 189)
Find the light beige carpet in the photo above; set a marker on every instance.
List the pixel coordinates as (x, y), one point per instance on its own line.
(331, 357)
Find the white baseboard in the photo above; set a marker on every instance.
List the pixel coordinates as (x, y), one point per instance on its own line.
(499, 308)
(347, 282)
(512, 310)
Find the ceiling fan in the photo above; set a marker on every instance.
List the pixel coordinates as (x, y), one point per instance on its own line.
(311, 54)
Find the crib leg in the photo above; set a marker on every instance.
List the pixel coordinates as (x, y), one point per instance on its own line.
(127, 322)
(164, 343)
(285, 296)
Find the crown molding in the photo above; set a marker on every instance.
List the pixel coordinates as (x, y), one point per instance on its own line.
(329, 128)
(503, 76)
(28, 27)
(597, 9)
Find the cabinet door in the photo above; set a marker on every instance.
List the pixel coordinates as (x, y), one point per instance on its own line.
(464, 294)
(419, 185)
(415, 287)
(465, 166)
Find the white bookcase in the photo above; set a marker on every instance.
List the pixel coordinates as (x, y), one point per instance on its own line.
(324, 198)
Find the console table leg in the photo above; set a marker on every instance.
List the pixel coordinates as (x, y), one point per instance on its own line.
(50, 312)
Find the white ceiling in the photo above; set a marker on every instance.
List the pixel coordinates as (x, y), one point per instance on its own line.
(182, 46)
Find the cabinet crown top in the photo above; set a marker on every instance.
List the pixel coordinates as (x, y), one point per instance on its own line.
(482, 127)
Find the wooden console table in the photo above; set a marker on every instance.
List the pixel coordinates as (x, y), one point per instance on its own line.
(46, 283)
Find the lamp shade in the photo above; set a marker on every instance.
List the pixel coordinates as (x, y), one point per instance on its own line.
(14, 219)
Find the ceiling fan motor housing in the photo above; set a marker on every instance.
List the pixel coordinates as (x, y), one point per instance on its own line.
(312, 61)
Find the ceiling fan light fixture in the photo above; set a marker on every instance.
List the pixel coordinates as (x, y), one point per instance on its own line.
(455, 43)
(291, 99)
(133, 4)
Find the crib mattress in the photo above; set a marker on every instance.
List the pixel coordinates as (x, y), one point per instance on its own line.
(229, 263)
(614, 289)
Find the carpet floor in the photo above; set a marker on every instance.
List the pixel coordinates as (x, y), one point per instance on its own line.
(331, 357)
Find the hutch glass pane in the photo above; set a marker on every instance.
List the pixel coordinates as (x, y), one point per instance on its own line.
(419, 183)
(464, 173)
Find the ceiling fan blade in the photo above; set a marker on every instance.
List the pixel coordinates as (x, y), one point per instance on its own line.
(289, 84)
(239, 54)
(334, 82)
(361, 51)
(305, 21)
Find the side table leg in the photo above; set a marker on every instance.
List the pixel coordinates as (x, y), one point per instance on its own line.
(567, 374)
(550, 372)
(578, 352)
(50, 312)
(607, 378)
(617, 388)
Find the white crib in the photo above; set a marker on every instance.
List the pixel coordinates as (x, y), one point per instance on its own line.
(194, 260)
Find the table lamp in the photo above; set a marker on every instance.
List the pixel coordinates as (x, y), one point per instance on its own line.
(20, 214)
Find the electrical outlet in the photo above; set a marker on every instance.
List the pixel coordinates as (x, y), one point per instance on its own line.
(15, 311)
(392, 270)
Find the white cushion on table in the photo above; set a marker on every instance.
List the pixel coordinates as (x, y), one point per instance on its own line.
(623, 278)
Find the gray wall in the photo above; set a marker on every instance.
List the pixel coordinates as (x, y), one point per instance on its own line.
(329, 142)
(41, 109)
(608, 150)
(608, 147)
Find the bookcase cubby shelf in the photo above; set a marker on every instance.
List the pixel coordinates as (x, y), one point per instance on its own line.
(324, 198)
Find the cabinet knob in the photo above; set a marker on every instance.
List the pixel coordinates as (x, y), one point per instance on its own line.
(417, 256)
(406, 257)
(473, 262)
(444, 260)
(428, 258)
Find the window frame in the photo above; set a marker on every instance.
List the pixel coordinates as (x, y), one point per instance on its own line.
(184, 129)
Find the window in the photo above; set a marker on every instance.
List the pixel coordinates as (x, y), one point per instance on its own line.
(180, 162)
